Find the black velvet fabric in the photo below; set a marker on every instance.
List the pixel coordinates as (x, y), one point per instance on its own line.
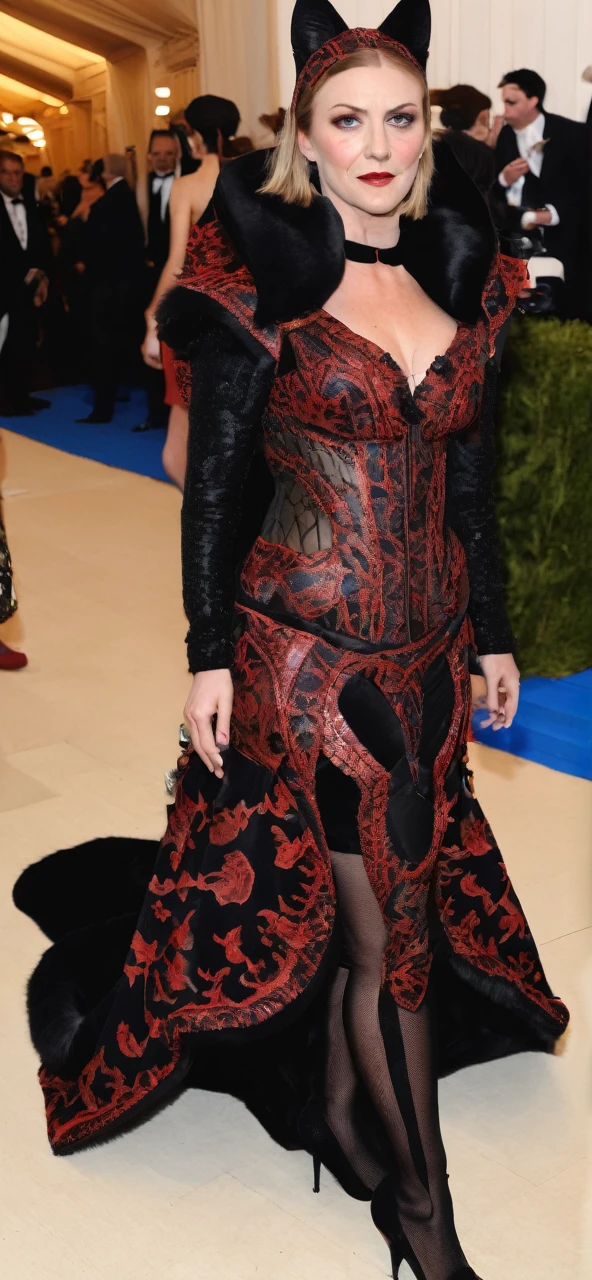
(410, 811)
(449, 252)
(471, 513)
(314, 22)
(410, 24)
(74, 887)
(229, 391)
(338, 798)
(296, 256)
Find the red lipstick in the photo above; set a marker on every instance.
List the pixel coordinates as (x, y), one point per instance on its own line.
(376, 179)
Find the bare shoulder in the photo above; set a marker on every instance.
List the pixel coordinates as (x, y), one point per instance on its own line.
(200, 186)
(181, 191)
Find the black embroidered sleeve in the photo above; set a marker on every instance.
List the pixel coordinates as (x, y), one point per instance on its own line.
(471, 513)
(230, 387)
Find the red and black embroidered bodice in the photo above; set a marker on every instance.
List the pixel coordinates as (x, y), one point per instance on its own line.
(381, 527)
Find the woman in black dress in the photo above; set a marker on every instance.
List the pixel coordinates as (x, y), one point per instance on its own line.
(329, 923)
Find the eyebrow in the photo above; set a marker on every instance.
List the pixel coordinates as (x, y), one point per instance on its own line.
(361, 110)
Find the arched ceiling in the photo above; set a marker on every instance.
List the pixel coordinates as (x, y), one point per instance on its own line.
(107, 27)
(44, 43)
(37, 69)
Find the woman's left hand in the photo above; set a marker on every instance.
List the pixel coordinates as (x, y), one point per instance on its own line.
(151, 347)
(503, 689)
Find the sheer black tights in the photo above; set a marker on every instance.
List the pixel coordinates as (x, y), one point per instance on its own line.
(392, 1051)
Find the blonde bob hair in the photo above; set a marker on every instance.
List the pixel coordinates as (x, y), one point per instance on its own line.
(289, 174)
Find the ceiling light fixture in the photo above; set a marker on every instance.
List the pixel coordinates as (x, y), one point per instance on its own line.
(34, 134)
(64, 110)
(7, 117)
(162, 111)
(162, 92)
(39, 142)
(23, 120)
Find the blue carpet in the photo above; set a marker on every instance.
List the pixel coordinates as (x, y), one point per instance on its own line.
(115, 444)
(553, 725)
(554, 721)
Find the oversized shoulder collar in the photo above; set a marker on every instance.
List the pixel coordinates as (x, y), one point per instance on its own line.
(296, 256)
(254, 262)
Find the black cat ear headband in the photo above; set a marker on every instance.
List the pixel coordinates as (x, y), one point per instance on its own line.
(320, 37)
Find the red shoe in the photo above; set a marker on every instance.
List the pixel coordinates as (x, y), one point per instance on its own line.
(11, 659)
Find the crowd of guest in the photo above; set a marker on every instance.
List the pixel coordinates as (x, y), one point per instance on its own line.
(81, 271)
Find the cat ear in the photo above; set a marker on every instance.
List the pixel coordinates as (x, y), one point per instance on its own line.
(313, 23)
(410, 24)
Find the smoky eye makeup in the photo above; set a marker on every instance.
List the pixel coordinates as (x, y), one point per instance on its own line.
(401, 119)
(345, 121)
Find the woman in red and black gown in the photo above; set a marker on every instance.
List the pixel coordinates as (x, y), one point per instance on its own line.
(329, 923)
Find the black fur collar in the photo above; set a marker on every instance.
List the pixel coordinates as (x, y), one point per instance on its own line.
(297, 257)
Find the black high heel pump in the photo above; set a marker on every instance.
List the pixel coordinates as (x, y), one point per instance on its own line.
(320, 1141)
(386, 1218)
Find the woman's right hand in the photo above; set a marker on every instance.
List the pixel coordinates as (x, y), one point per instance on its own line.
(211, 694)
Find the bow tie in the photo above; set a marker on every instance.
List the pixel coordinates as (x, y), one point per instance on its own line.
(17, 200)
(158, 180)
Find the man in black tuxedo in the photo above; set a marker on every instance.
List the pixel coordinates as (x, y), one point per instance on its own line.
(113, 257)
(165, 166)
(25, 262)
(167, 162)
(542, 180)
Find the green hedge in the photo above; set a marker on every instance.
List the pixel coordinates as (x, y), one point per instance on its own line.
(544, 492)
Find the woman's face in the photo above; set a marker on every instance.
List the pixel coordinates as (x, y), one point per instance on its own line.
(367, 135)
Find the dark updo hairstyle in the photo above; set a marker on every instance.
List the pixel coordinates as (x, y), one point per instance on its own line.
(460, 105)
(213, 117)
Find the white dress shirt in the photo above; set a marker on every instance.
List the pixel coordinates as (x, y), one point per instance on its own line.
(164, 185)
(528, 141)
(18, 216)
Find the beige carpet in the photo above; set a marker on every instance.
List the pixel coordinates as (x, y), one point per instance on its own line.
(200, 1192)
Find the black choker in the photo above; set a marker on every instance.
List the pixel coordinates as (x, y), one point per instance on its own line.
(355, 252)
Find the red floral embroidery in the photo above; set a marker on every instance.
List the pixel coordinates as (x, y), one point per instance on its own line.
(128, 1044)
(233, 883)
(160, 912)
